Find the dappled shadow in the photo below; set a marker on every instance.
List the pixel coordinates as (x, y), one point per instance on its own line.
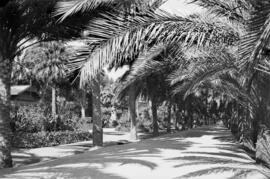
(200, 152)
(231, 172)
(93, 164)
(23, 158)
(224, 158)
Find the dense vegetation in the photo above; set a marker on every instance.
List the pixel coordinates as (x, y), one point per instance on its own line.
(196, 69)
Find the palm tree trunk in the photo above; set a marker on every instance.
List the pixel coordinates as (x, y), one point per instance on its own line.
(132, 113)
(169, 111)
(177, 117)
(89, 108)
(53, 102)
(54, 107)
(153, 105)
(97, 121)
(5, 131)
(83, 104)
(83, 112)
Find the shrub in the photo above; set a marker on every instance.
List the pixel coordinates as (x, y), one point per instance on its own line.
(43, 139)
(28, 118)
(121, 128)
(115, 123)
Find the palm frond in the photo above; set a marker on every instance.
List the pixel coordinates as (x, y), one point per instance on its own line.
(151, 67)
(255, 43)
(140, 68)
(68, 8)
(121, 41)
(65, 9)
(234, 10)
(207, 67)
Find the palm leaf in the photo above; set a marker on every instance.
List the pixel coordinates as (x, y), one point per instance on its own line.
(69, 8)
(151, 65)
(255, 42)
(234, 10)
(121, 41)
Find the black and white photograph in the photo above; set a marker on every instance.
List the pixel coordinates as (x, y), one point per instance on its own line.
(134, 89)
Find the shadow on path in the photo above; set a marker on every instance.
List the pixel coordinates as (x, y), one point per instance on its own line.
(206, 152)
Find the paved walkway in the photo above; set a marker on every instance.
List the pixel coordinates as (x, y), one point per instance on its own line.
(207, 152)
(23, 157)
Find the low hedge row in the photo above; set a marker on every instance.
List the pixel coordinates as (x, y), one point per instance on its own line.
(48, 139)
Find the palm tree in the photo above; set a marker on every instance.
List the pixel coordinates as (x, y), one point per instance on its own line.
(147, 77)
(246, 28)
(23, 24)
(117, 31)
(69, 9)
(252, 17)
(50, 69)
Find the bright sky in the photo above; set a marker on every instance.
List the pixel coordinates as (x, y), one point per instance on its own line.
(180, 7)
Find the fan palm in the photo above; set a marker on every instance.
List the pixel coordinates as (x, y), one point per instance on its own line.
(51, 58)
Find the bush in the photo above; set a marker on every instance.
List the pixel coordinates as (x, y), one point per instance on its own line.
(115, 123)
(29, 118)
(33, 118)
(121, 128)
(43, 139)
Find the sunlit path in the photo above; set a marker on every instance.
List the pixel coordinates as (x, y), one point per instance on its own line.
(207, 152)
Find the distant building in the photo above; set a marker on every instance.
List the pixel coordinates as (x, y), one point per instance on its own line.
(24, 94)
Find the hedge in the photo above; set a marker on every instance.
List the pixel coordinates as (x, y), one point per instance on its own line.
(48, 139)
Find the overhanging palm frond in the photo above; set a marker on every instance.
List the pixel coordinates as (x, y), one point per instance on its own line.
(150, 68)
(254, 45)
(122, 41)
(204, 68)
(234, 10)
(68, 8)
(264, 66)
(141, 68)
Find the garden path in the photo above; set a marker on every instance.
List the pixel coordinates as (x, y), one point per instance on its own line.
(23, 157)
(208, 152)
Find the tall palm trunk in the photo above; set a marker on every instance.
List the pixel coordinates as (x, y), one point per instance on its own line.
(177, 117)
(5, 131)
(169, 112)
(54, 102)
(83, 104)
(153, 105)
(97, 121)
(132, 113)
(54, 112)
